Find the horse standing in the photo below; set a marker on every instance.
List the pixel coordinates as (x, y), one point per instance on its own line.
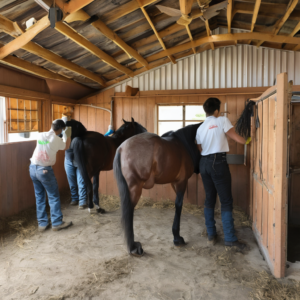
(146, 159)
(94, 153)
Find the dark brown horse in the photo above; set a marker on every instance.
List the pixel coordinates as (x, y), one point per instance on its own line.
(94, 153)
(147, 159)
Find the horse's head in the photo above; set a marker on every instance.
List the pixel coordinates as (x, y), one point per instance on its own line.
(77, 128)
(129, 129)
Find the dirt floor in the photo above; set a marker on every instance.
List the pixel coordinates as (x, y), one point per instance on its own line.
(89, 260)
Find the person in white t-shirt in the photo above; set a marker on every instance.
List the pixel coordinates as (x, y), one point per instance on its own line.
(42, 175)
(212, 143)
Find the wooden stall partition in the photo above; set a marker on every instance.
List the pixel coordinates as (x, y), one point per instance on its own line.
(269, 174)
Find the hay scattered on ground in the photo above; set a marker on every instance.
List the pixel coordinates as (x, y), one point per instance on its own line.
(265, 286)
(109, 203)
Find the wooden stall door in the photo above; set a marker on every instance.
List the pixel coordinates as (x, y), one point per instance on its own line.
(269, 175)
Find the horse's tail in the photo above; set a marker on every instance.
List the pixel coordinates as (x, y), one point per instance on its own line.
(79, 158)
(126, 205)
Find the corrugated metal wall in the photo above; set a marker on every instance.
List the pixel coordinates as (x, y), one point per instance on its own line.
(228, 67)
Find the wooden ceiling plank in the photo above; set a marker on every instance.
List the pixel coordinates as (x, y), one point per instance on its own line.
(58, 60)
(229, 15)
(281, 22)
(86, 44)
(71, 6)
(119, 42)
(125, 9)
(154, 30)
(26, 66)
(49, 55)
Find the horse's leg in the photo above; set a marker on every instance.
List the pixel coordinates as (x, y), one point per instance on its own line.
(180, 190)
(96, 193)
(135, 192)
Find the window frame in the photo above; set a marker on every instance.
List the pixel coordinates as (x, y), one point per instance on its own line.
(183, 114)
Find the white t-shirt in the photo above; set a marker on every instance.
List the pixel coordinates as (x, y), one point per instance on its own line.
(48, 144)
(211, 135)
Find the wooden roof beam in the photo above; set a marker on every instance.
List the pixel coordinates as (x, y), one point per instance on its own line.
(86, 44)
(81, 15)
(281, 22)
(229, 15)
(254, 17)
(296, 29)
(154, 30)
(209, 34)
(49, 55)
(224, 38)
(26, 66)
(190, 36)
(125, 9)
(42, 24)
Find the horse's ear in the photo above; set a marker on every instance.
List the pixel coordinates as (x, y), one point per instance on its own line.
(124, 121)
(132, 120)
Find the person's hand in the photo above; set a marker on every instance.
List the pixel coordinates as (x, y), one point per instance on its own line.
(248, 140)
(68, 132)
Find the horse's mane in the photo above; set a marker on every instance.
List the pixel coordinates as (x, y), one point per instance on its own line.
(120, 131)
(78, 128)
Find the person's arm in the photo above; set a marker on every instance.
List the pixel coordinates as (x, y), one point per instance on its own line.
(233, 135)
(199, 147)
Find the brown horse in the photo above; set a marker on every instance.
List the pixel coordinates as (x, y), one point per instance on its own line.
(147, 159)
(94, 153)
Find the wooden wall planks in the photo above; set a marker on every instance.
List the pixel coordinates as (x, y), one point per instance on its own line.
(143, 109)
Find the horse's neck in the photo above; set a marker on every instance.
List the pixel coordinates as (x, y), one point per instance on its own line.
(119, 140)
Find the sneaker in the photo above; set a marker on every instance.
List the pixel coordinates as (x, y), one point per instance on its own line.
(74, 203)
(238, 245)
(212, 240)
(63, 225)
(43, 228)
(84, 206)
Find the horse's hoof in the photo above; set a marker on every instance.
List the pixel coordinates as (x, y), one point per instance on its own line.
(179, 242)
(101, 210)
(137, 250)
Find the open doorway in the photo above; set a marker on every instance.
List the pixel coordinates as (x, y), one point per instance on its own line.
(293, 241)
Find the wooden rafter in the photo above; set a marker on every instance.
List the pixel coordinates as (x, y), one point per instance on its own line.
(101, 26)
(190, 36)
(42, 24)
(296, 29)
(209, 34)
(222, 38)
(155, 31)
(281, 22)
(24, 38)
(26, 66)
(86, 44)
(229, 13)
(254, 17)
(125, 9)
(6, 25)
(255, 14)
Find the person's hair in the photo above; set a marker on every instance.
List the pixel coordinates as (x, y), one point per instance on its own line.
(211, 105)
(58, 124)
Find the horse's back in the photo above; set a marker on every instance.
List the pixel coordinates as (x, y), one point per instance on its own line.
(164, 159)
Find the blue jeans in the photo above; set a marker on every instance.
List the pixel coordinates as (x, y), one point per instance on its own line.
(216, 179)
(76, 182)
(44, 181)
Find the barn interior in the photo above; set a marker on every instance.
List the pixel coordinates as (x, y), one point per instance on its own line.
(156, 61)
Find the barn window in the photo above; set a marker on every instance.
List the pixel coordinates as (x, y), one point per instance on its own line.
(23, 116)
(174, 117)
